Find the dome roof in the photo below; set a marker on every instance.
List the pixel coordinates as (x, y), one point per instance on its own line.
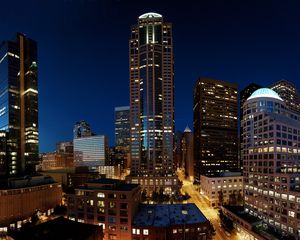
(150, 15)
(265, 93)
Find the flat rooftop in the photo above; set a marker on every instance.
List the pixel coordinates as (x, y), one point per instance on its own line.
(163, 215)
(60, 229)
(224, 174)
(24, 182)
(240, 212)
(108, 184)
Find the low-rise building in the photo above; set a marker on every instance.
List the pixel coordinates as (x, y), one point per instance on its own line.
(60, 228)
(110, 203)
(56, 160)
(222, 189)
(169, 221)
(20, 198)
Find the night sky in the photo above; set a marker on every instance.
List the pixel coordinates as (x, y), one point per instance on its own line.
(83, 52)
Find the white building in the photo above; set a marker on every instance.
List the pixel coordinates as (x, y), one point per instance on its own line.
(227, 186)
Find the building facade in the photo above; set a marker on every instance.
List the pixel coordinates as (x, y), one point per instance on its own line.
(54, 161)
(106, 202)
(90, 151)
(19, 106)
(187, 143)
(215, 127)
(122, 137)
(244, 95)
(170, 222)
(271, 148)
(223, 189)
(23, 197)
(289, 93)
(151, 97)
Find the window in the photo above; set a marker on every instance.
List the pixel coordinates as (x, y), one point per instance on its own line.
(100, 195)
(146, 232)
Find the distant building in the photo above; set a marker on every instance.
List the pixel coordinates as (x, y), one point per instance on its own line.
(65, 147)
(91, 151)
(19, 106)
(54, 161)
(169, 222)
(223, 189)
(122, 137)
(289, 93)
(60, 228)
(82, 129)
(20, 198)
(271, 148)
(152, 100)
(106, 202)
(188, 153)
(215, 127)
(244, 95)
(178, 163)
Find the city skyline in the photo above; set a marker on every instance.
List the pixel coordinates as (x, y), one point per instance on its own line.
(260, 47)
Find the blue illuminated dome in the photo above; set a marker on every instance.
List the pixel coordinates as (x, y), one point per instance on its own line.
(150, 15)
(265, 93)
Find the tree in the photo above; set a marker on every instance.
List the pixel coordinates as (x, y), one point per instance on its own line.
(144, 195)
(211, 231)
(221, 197)
(240, 198)
(233, 199)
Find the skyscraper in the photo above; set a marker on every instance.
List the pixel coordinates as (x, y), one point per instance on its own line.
(271, 148)
(151, 97)
(122, 136)
(18, 106)
(188, 152)
(90, 150)
(288, 92)
(215, 126)
(244, 95)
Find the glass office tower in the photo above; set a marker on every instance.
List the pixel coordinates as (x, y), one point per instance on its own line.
(151, 96)
(18, 106)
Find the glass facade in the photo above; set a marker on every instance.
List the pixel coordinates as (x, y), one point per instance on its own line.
(122, 136)
(151, 96)
(18, 106)
(90, 151)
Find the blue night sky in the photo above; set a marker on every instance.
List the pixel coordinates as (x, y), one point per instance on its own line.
(83, 52)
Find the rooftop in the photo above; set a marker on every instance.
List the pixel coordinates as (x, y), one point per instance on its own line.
(265, 93)
(109, 184)
(150, 15)
(163, 215)
(60, 229)
(224, 174)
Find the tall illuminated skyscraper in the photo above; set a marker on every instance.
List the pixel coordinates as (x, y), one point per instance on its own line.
(18, 106)
(122, 136)
(215, 127)
(289, 93)
(151, 97)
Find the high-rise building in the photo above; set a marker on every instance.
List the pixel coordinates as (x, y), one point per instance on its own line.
(188, 152)
(18, 106)
(122, 136)
(271, 148)
(288, 92)
(82, 129)
(151, 97)
(90, 151)
(244, 95)
(215, 127)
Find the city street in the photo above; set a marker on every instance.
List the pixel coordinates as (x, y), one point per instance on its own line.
(209, 212)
